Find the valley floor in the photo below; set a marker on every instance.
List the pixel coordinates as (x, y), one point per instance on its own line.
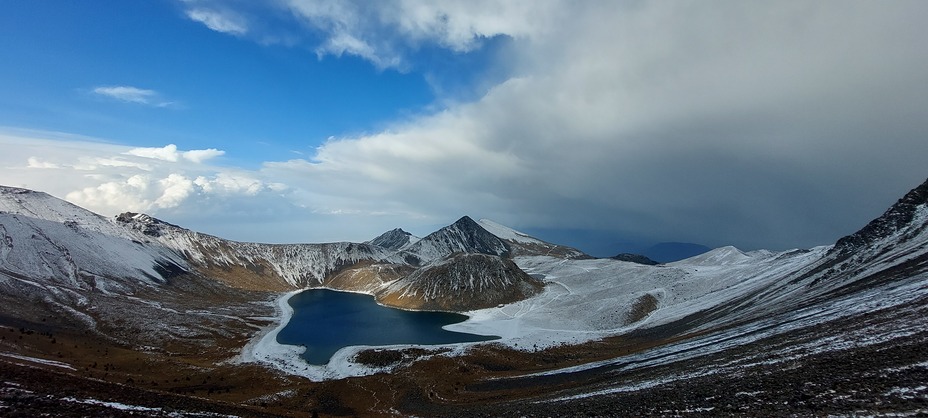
(841, 371)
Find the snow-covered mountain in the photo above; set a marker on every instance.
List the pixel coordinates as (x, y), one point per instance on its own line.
(254, 265)
(464, 235)
(607, 329)
(50, 240)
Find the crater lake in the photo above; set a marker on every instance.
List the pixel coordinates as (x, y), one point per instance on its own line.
(325, 321)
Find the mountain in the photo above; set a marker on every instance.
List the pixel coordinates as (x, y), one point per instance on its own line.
(464, 235)
(257, 266)
(51, 240)
(394, 239)
(479, 280)
(135, 311)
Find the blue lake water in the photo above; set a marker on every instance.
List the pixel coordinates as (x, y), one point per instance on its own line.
(325, 321)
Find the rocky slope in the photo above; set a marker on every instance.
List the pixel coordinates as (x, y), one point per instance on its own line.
(460, 282)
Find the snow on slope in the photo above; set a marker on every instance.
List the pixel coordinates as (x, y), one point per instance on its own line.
(298, 265)
(584, 299)
(507, 233)
(45, 238)
(589, 299)
(720, 256)
(522, 244)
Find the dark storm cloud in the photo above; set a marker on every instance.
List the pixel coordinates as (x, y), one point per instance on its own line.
(756, 124)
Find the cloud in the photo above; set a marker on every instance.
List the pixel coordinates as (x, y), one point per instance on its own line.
(110, 179)
(34, 162)
(170, 153)
(382, 32)
(756, 124)
(219, 21)
(131, 94)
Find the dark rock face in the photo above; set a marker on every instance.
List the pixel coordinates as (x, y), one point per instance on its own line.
(393, 239)
(897, 217)
(635, 258)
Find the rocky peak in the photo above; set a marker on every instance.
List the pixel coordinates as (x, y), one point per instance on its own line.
(146, 224)
(393, 239)
(464, 236)
(896, 218)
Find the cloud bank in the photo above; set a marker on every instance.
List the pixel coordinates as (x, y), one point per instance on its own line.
(110, 179)
(759, 124)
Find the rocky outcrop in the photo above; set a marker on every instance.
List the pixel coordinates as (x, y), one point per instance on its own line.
(896, 218)
(635, 258)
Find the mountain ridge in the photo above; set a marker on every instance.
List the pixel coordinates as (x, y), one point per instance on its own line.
(576, 335)
(172, 250)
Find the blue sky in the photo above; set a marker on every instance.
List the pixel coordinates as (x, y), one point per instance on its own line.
(600, 124)
(257, 102)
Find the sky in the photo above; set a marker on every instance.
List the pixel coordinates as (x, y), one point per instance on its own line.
(605, 125)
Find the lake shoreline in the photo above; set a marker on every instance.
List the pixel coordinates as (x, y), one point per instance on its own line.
(265, 349)
(326, 322)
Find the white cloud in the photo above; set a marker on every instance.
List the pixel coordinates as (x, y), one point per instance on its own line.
(219, 21)
(201, 155)
(382, 31)
(132, 95)
(235, 183)
(110, 179)
(175, 188)
(34, 162)
(170, 153)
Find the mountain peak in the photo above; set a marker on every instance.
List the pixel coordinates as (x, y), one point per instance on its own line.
(466, 221)
(394, 239)
(146, 224)
(464, 235)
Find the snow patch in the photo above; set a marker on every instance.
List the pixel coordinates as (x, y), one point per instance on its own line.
(506, 232)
